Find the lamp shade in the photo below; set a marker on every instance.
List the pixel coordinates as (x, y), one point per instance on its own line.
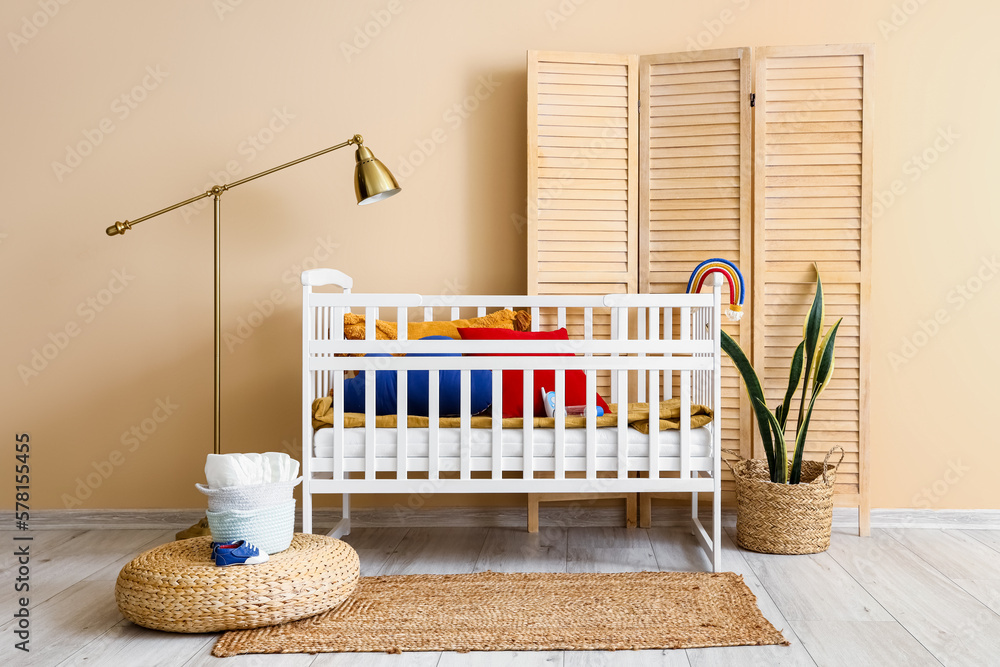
(372, 181)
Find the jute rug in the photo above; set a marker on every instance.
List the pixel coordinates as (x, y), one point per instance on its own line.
(492, 611)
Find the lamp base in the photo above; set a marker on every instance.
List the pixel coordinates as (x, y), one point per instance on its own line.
(199, 529)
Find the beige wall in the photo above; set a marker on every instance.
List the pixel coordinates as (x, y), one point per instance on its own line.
(220, 76)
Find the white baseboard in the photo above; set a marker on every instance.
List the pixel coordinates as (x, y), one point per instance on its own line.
(494, 517)
(921, 518)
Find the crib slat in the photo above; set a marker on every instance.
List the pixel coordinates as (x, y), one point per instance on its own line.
(323, 333)
(622, 424)
(370, 420)
(685, 424)
(591, 424)
(454, 312)
(315, 326)
(641, 330)
(654, 424)
(668, 333)
(428, 313)
(402, 394)
(619, 331)
(338, 323)
(338, 425)
(560, 430)
(433, 410)
(560, 318)
(481, 311)
(685, 388)
(371, 314)
(654, 334)
(497, 425)
(528, 423)
(588, 324)
(534, 318)
(465, 390)
(700, 391)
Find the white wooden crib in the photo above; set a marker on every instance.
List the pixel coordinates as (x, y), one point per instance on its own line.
(639, 349)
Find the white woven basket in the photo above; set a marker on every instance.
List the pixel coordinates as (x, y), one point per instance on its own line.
(248, 497)
(268, 528)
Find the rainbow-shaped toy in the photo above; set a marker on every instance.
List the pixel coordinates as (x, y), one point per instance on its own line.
(733, 277)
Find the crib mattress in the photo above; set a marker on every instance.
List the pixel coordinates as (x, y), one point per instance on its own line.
(543, 442)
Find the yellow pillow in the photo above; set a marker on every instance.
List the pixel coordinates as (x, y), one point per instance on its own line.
(354, 325)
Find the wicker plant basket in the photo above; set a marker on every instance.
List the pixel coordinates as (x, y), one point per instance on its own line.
(777, 518)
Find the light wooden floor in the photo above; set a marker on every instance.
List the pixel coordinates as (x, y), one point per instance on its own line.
(902, 597)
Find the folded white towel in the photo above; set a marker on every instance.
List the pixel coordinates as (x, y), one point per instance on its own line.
(225, 470)
(276, 466)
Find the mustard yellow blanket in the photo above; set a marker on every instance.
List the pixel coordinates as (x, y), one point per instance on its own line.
(638, 418)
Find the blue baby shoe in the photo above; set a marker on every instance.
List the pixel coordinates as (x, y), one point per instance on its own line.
(240, 552)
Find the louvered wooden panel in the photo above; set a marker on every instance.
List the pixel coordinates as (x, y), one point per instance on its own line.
(695, 186)
(582, 173)
(813, 204)
(582, 182)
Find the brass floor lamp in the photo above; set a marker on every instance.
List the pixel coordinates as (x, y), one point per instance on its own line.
(372, 183)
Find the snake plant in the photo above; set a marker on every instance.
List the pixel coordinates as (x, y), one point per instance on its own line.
(813, 358)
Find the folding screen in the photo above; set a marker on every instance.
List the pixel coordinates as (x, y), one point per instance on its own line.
(641, 167)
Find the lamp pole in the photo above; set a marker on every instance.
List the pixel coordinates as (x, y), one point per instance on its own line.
(373, 182)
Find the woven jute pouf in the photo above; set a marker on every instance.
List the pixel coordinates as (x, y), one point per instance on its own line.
(178, 588)
(775, 518)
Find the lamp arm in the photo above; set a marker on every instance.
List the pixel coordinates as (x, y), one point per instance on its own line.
(122, 227)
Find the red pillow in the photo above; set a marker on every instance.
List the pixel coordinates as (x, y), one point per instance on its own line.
(513, 381)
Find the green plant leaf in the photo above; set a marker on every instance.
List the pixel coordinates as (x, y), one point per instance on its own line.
(795, 474)
(794, 375)
(824, 371)
(812, 328)
(813, 325)
(780, 450)
(756, 393)
(824, 359)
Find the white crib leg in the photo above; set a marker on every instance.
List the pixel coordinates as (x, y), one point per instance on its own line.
(694, 511)
(717, 528)
(343, 526)
(307, 513)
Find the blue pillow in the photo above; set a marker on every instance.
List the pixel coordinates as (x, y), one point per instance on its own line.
(418, 389)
